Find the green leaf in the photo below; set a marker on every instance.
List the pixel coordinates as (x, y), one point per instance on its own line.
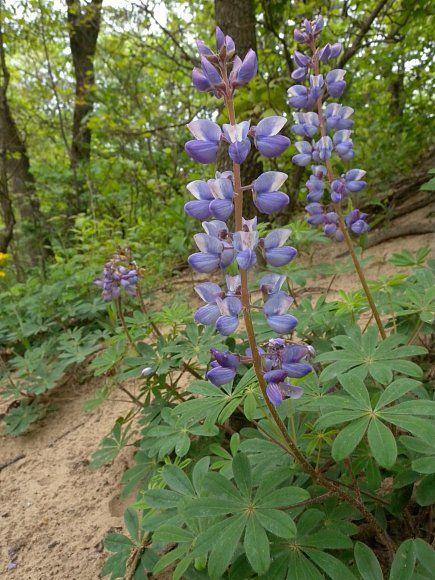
(424, 464)
(131, 521)
(336, 417)
(348, 438)
(117, 542)
(219, 486)
(224, 546)
(284, 496)
(331, 565)
(382, 443)
(418, 426)
(277, 522)
(169, 558)
(242, 473)
(256, 544)
(425, 555)
(356, 388)
(367, 563)
(209, 507)
(300, 568)
(169, 533)
(425, 494)
(395, 390)
(416, 407)
(161, 498)
(404, 562)
(177, 480)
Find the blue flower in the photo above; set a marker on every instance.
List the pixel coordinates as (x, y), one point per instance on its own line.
(266, 196)
(275, 253)
(267, 140)
(229, 309)
(275, 311)
(200, 207)
(237, 137)
(205, 146)
(223, 368)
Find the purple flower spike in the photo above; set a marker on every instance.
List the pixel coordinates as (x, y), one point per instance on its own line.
(275, 253)
(200, 208)
(244, 71)
(335, 82)
(266, 196)
(229, 308)
(205, 145)
(267, 140)
(304, 157)
(275, 311)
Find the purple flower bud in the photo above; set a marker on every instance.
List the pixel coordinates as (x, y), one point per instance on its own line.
(200, 81)
(316, 214)
(245, 71)
(211, 74)
(203, 49)
(220, 38)
(355, 221)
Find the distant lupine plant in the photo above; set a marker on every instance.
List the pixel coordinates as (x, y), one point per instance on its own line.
(324, 132)
(216, 200)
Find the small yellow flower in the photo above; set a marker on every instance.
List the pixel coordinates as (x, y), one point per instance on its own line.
(2, 274)
(3, 257)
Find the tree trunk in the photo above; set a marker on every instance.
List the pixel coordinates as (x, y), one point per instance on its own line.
(6, 209)
(84, 26)
(237, 19)
(18, 168)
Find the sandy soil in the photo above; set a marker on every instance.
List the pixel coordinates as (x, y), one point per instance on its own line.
(55, 511)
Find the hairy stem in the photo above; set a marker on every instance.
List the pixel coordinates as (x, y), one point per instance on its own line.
(343, 227)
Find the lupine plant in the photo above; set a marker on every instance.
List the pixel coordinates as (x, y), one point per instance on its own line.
(308, 450)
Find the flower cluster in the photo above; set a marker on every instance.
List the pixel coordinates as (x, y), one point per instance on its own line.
(281, 361)
(118, 273)
(215, 201)
(325, 130)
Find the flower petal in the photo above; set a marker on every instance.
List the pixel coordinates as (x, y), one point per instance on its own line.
(246, 259)
(220, 208)
(271, 202)
(276, 238)
(220, 375)
(282, 324)
(207, 314)
(280, 256)
(202, 151)
(203, 262)
(208, 291)
(205, 130)
(269, 181)
(198, 209)
(200, 189)
(226, 325)
(270, 126)
(272, 146)
(274, 393)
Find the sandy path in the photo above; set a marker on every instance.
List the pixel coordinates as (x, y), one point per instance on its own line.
(55, 511)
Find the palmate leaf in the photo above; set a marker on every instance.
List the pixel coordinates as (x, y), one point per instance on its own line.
(252, 514)
(367, 563)
(19, 419)
(356, 410)
(365, 354)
